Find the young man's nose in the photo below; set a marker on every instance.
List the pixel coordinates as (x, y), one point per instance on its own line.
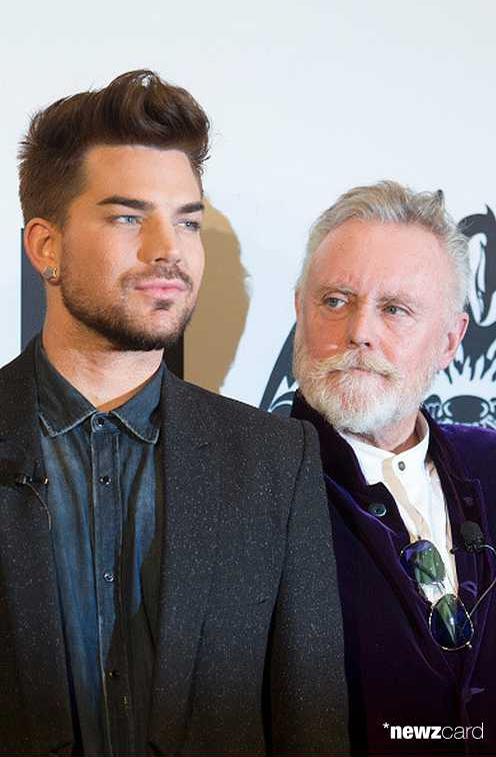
(160, 242)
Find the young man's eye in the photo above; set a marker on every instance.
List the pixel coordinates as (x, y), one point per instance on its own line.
(127, 220)
(190, 225)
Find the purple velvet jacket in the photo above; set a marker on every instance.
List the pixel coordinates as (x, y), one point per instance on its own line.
(397, 674)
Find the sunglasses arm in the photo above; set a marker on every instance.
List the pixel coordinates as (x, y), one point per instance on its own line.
(491, 585)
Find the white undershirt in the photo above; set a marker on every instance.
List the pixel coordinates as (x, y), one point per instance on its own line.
(414, 483)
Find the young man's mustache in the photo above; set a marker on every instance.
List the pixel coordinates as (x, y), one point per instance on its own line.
(159, 271)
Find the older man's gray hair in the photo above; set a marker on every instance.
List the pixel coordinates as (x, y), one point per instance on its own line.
(390, 202)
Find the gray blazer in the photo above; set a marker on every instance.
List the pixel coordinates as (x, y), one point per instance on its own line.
(250, 655)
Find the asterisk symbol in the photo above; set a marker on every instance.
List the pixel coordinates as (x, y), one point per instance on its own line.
(385, 725)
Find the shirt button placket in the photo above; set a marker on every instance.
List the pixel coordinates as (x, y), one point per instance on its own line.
(107, 529)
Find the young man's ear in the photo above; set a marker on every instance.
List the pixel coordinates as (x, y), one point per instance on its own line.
(41, 243)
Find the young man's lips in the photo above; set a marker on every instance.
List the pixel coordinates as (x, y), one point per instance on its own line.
(162, 286)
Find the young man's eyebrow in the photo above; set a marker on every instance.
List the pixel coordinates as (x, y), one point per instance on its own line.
(145, 205)
(127, 202)
(191, 207)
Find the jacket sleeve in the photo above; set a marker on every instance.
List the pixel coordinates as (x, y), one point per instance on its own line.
(308, 694)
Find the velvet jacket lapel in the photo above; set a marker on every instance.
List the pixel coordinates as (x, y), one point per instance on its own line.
(465, 502)
(31, 609)
(385, 535)
(192, 493)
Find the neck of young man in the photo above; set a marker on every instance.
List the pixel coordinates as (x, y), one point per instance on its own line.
(396, 437)
(106, 376)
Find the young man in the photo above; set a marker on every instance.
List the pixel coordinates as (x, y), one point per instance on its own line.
(166, 573)
(380, 306)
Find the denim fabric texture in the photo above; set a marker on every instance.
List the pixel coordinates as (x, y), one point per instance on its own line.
(106, 503)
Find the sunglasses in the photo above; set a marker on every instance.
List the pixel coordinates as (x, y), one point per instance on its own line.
(449, 622)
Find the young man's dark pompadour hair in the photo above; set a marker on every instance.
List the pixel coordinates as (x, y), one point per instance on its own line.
(137, 108)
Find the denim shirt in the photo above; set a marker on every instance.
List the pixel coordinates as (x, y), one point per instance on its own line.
(106, 503)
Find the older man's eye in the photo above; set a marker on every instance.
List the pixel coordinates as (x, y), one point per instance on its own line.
(395, 310)
(334, 303)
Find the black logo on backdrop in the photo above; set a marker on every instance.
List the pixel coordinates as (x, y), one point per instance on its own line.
(465, 391)
(278, 395)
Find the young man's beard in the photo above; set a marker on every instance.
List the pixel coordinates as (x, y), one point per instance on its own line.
(118, 325)
(359, 403)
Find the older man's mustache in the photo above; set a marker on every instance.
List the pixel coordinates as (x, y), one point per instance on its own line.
(350, 359)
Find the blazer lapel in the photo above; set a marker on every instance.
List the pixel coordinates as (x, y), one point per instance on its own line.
(192, 492)
(31, 608)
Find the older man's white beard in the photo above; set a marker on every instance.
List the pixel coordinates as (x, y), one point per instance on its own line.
(359, 403)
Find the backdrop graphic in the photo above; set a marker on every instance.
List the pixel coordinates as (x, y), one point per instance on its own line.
(465, 392)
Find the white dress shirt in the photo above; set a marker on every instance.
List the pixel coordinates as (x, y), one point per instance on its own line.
(412, 479)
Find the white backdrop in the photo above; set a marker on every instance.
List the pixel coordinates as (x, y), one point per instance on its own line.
(306, 100)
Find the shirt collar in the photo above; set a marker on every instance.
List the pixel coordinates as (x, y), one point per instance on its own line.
(62, 407)
(141, 413)
(374, 461)
(341, 465)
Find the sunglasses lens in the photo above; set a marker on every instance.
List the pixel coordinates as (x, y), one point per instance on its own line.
(450, 623)
(423, 563)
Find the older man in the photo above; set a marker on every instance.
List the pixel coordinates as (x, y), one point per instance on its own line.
(380, 306)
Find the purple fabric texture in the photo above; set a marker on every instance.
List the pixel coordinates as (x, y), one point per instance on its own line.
(397, 674)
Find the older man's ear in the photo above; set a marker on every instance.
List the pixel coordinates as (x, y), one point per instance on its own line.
(453, 339)
(297, 296)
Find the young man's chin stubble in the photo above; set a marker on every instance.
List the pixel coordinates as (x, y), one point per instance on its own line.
(119, 329)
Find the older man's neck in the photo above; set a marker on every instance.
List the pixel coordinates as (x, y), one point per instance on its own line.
(395, 438)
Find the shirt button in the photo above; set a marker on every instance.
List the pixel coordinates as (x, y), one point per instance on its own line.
(401, 465)
(109, 576)
(377, 509)
(113, 674)
(105, 480)
(99, 421)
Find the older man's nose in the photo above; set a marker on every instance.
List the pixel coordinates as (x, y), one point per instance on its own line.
(361, 328)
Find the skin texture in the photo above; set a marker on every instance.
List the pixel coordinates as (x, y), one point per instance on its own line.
(128, 275)
(380, 291)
